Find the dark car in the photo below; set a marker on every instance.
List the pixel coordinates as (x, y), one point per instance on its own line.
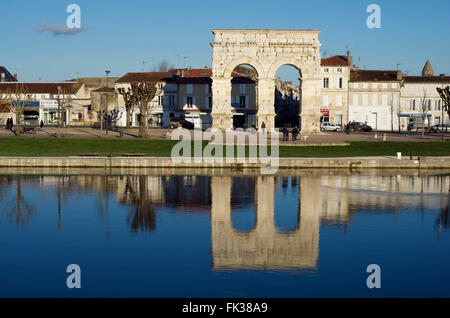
(439, 128)
(175, 123)
(357, 126)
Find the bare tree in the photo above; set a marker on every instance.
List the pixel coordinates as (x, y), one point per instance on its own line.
(65, 101)
(423, 110)
(444, 93)
(130, 102)
(162, 66)
(143, 93)
(19, 211)
(17, 99)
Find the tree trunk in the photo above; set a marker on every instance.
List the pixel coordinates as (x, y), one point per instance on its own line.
(128, 118)
(142, 126)
(423, 127)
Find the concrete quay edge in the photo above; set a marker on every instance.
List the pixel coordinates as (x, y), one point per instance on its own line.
(288, 163)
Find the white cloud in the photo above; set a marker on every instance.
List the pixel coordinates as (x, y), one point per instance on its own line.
(58, 29)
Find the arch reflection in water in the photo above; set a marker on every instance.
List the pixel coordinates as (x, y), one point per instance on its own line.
(264, 247)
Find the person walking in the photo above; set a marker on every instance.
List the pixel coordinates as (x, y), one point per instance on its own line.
(7, 124)
(285, 133)
(11, 124)
(294, 133)
(42, 124)
(263, 127)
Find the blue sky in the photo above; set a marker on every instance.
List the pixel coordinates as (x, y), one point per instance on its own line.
(119, 35)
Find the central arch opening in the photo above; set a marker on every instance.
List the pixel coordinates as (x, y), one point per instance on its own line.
(244, 96)
(288, 97)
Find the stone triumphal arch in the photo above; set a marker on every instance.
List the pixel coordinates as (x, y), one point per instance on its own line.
(266, 51)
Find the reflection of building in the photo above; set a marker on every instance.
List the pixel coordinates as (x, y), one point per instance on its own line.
(263, 247)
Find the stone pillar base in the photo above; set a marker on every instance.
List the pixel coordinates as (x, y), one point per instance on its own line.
(268, 119)
(222, 121)
(310, 124)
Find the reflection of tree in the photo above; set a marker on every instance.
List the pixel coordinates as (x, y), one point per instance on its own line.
(18, 210)
(141, 216)
(443, 218)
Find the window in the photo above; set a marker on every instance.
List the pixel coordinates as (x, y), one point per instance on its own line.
(326, 82)
(374, 85)
(339, 101)
(412, 106)
(242, 89)
(242, 101)
(355, 85)
(437, 120)
(160, 85)
(394, 86)
(189, 102)
(341, 82)
(326, 70)
(189, 88)
(365, 85)
(355, 100)
(438, 105)
(365, 100)
(430, 104)
(171, 100)
(374, 100)
(160, 100)
(339, 70)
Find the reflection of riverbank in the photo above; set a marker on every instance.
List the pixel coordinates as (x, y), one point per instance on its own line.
(213, 172)
(316, 198)
(276, 163)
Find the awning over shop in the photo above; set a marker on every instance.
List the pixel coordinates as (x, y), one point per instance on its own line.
(414, 115)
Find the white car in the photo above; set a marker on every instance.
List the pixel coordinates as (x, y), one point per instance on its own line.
(329, 127)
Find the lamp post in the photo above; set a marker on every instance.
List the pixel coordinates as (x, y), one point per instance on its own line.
(59, 112)
(107, 88)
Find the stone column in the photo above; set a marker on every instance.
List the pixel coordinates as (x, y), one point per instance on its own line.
(310, 206)
(265, 204)
(310, 105)
(221, 110)
(266, 103)
(222, 233)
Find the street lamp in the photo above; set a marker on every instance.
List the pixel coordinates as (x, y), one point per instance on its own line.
(59, 111)
(107, 88)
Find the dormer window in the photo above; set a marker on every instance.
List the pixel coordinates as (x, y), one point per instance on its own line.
(339, 70)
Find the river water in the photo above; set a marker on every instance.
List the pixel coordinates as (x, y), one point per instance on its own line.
(225, 233)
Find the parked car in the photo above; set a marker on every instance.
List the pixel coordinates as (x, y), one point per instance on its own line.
(329, 127)
(357, 126)
(439, 128)
(175, 123)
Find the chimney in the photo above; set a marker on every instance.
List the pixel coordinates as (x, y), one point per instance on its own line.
(350, 59)
(15, 76)
(399, 75)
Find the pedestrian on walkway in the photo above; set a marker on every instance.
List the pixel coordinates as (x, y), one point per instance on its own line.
(294, 133)
(42, 124)
(263, 128)
(11, 124)
(285, 133)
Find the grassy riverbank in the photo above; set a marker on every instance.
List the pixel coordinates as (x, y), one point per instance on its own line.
(37, 147)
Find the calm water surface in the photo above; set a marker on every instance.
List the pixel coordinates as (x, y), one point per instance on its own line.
(302, 234)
